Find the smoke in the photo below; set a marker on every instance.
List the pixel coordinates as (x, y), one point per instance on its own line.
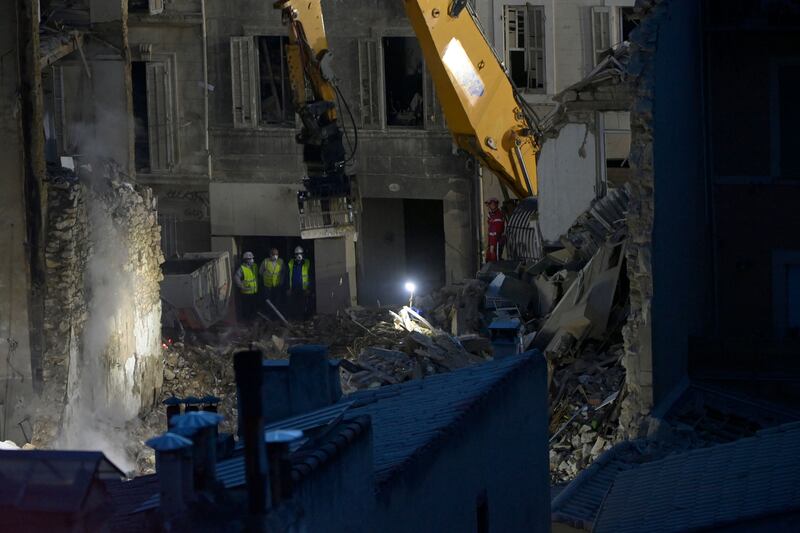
(94, 416)
(100, 405)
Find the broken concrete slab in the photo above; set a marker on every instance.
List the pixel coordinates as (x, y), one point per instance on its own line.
(584, 309)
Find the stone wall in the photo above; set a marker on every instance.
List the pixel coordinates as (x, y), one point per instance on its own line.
(102, 364)
(637, 332)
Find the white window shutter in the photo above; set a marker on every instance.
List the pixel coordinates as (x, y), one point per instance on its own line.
(243, 82)
(369, 69)
(156, 6)
(160, 116)
(535, 57)
(601, 32)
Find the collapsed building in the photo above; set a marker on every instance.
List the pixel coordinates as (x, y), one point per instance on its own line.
(672, 373)
(89, 256)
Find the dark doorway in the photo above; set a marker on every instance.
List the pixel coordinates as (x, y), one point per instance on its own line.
(141, 136)
(402, 60)
(424, 243)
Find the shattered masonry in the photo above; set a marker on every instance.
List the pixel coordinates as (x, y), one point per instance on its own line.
(131, 346)
(636, 333)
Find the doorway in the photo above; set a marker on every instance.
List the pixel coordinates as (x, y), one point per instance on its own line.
(424, 243)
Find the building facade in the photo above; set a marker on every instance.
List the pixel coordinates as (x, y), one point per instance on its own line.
(548, 46)
(215, 135)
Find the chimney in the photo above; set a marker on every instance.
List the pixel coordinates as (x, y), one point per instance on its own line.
(173, 409)
(280, 466)
(210, 403)
(169, 448)
(249, 382)
(201, 427)
(312, 383)
(192, 404)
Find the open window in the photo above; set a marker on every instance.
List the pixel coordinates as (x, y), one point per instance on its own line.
(601, 33)
(403, 87)
(628, 20)
(154, 115)
(261, 93)
(275, 92)
(154, 7)
(524, 45)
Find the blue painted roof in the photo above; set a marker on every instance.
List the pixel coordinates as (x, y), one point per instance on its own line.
(51, 480)
(428, 406)
(409, 418)
(709, 487)
(578, 502)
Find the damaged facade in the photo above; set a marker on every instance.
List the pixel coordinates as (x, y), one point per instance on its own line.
(549, 47)
(95, 294)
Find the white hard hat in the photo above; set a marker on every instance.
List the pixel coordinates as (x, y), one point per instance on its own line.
(248, 255)
(298, 250)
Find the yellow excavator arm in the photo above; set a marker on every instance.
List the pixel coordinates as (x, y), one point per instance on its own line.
(325, 204)
(484, 112)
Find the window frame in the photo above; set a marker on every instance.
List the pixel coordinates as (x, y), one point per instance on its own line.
(260, 123)
(501, 38)
(172, 129)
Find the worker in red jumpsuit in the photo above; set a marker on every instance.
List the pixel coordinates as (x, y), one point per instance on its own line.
(496, 221)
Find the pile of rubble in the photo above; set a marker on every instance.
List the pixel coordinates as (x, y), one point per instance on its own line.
(585, 398)
(376, 346)
(422, 350)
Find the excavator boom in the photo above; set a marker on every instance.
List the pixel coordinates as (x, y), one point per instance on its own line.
(325, 204)
(484, 112)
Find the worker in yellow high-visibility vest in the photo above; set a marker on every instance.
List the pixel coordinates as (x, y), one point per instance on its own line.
(246, 279)
(273, 280)
(299, 281)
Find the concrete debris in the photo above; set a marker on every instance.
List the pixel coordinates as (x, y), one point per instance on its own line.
(377, 347)
(422, 351)
(585, 397)
(594, 226)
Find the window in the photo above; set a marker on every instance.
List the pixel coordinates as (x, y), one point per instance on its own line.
(409, 93)
(260, 85)
(524, 44)
(275, 92)
(243, 82)
(154, 7)
(627, 22)
(601, 33)
(154, 112)
(403, 87)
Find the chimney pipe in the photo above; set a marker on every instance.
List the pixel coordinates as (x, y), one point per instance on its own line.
(280, 466)
(191, 403)
(310, 383)
(249, 383)
(210, 403)
(201, 426)
(169, 448)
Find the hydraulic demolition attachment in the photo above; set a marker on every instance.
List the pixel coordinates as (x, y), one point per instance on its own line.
(326, 203)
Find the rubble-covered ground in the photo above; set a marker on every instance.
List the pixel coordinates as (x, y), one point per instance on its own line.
(585, 397)
(378, 346)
